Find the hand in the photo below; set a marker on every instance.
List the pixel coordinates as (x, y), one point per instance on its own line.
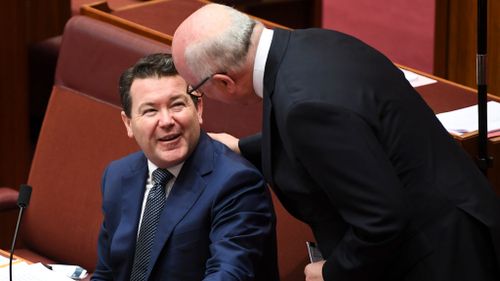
(228, 140)
(314, 271)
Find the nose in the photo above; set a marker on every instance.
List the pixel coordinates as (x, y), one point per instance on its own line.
(165, 118)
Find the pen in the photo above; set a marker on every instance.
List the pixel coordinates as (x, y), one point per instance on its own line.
(47, 266)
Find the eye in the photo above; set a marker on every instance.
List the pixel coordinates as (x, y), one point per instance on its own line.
(148, 111)
(178, 105)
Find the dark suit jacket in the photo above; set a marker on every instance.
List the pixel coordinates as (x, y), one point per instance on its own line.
(218, 222)
(352, 149)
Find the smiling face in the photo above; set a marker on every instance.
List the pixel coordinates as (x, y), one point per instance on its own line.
(164, 120)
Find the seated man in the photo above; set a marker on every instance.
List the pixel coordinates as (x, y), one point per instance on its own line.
(185, 207)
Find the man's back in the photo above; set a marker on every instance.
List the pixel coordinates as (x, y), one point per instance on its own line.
(362, 144)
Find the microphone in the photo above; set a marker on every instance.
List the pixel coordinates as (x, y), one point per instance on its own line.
(23, 201)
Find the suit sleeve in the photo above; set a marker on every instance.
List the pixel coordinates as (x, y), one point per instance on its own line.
(342, 154)
(103, 270)
(242, 228)
(250, 148)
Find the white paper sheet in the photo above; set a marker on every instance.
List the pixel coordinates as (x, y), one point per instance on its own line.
(4, 261)
(465, 120)
(31, 272)
(417, 80)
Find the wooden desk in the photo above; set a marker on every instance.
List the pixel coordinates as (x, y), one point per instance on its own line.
(159, 19)
(153, 19)
(445, 96)
(16, 259)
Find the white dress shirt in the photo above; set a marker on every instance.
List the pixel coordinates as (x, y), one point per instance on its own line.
(259, 65)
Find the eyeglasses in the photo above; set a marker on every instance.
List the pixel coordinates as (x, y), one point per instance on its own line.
(193, 90)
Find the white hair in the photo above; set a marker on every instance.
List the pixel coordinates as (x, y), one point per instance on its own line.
(224, 52)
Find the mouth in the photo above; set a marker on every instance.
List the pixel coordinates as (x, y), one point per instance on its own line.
(169, 137)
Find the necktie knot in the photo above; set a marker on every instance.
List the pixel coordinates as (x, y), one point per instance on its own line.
(161, 176)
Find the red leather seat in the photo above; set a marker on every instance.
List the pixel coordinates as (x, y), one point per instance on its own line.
(81, 133)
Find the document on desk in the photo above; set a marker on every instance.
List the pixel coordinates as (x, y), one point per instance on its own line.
(31, 272)
(4, 261)
(417, 80)
(464, 120)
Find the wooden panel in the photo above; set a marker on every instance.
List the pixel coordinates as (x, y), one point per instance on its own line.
(441, 38)
(455, 51)
(292, 13)
(46, 18)
(494, 47)
(14, 144)
(462, 42)
(156, 20)
(23, 22)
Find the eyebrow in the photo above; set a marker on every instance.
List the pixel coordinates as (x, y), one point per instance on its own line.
(182, 96)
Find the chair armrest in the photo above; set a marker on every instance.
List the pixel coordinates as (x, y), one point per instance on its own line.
(8, 198)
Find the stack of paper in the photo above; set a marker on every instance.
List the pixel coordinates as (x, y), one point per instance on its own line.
(465, 120)
(4, 261)
(22, 271)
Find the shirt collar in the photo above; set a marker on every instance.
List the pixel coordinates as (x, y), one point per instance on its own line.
(259, 66)
(174, 170)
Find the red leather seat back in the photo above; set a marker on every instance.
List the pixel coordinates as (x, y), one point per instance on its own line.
(82, 132)
(94, 54)
(79, 137)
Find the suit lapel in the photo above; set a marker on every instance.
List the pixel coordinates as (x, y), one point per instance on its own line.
(187, 188)
(133, 184)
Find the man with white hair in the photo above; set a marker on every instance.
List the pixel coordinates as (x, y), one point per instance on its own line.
(350, 148)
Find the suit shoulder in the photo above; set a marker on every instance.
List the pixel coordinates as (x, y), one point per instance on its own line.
(126, 161)
(226, 157)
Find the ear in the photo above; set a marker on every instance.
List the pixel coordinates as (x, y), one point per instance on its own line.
(225, 81)
(128, 125)
(199, 109)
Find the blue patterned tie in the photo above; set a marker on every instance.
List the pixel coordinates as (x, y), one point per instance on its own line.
(152, 211)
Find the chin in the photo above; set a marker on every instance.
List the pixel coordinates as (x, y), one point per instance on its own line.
(168, 163)
(170, 158)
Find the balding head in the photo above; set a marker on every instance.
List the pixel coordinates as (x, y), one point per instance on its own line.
(204, 25)
(214, 39)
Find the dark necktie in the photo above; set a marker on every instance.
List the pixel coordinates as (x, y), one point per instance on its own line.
(151, 216)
